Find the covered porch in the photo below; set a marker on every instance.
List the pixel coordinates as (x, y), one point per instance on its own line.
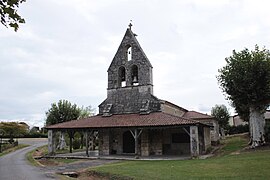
(155, 134)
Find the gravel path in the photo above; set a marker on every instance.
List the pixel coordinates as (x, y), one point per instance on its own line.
(78, 165)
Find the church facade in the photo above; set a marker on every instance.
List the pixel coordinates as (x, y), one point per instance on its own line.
(132, 120)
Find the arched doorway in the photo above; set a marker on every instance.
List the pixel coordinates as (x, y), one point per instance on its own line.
(128, 142)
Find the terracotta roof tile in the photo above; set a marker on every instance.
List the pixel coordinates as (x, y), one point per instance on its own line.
(126, 120)
(197, 115)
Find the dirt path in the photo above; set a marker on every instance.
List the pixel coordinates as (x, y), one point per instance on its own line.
(77, 166)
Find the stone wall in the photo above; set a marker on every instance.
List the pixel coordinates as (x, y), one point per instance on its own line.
(51, 142)
(145, 146)
(207, 138)
(121, 60)
(156, 142)
(171, 148)
(155, 139)
(130, 100)
(172, 110)
(214, 130)
(104, 142)
(194, 141)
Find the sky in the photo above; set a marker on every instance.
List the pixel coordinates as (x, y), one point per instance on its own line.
(65, 47)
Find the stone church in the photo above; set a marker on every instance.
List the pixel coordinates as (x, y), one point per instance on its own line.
(131, 120)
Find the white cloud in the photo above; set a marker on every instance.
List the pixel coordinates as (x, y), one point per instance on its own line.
(64, 50)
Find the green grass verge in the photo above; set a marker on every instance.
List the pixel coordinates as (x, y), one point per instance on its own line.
(66, 161)
(246, 165)
(233, 144)
(31, 159)
(20, 146)
(43, 150)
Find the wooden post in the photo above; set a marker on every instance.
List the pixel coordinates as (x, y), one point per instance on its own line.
(87, 143)
(136, 135)
(70, 133)
(136, 141)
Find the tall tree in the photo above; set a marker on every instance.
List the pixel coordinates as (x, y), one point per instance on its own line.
(246, 82)
(61, 112)
(9, 15)
(221, 113)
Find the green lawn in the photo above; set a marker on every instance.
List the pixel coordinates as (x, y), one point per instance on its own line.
(244, 165)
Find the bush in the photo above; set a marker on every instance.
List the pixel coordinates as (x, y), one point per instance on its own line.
(238, 129)
(35, 135)
(267, 131)
(76, 143)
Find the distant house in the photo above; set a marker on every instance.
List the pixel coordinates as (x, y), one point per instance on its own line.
(26, 126)
(207, 119)
(132, 120)
(34, 129)
(236, 120)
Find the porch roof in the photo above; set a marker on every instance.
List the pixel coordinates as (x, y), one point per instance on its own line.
(155, 119)
(197, 115)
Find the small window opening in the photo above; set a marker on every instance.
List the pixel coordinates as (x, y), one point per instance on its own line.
(129, 53)
(122, 77)
(134, 75)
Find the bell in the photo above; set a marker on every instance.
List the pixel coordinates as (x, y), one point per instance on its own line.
(135, 79)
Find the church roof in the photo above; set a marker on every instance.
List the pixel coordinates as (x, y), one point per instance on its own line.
(156, 119)
(197, 115)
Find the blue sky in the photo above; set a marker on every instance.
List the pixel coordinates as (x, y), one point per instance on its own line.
(66, 46)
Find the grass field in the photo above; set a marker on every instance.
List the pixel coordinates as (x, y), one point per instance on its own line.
(230, 163)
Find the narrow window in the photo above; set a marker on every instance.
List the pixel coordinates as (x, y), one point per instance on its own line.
(122, 77)
(134, 75)
(129, 53)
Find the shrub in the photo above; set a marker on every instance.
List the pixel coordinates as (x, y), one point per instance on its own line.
(267, 131)
(76, 143)
(238, 129)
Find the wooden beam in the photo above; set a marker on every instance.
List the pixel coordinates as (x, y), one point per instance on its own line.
(71, 134)
(136, 135)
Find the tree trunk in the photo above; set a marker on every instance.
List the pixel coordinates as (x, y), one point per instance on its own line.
(256, 127)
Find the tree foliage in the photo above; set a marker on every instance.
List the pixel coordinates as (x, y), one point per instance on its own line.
(61, 112)
(86, 112)
(246, 80)
(12, 129)
(9, 14)
(221, 113)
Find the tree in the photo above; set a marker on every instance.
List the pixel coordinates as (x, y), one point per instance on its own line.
(12, 129)
(221, 113)
(9, 15)
(86, 112)
(61, 112)
(246, 82)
